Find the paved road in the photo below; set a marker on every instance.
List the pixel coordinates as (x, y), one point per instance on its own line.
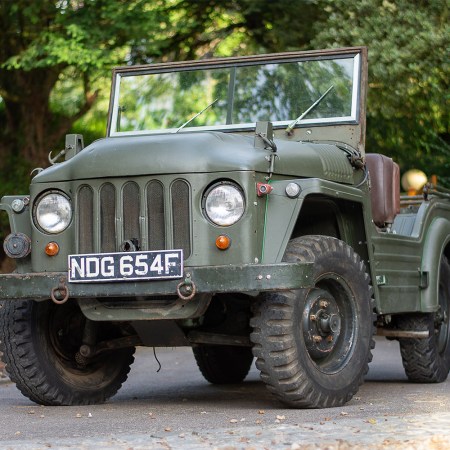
(176, 408)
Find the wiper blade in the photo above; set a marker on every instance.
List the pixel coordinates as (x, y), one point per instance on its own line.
(192, 118)
(303, 114)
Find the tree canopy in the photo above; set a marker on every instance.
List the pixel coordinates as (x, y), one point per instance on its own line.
(56, 57)
(408, 41)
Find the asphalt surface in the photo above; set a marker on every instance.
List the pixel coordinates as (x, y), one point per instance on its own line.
(176, 408)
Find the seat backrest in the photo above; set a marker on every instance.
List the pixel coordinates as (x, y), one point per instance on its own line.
(385, 188)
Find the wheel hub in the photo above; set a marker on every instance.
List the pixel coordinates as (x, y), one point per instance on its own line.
(321, 323)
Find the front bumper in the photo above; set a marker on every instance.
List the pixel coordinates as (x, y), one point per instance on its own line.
(207, 280)
(186, 298)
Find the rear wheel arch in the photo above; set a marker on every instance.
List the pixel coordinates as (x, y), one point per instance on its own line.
(436, 244)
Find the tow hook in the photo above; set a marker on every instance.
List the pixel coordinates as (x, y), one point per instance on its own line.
(186, 289)
(60, 294)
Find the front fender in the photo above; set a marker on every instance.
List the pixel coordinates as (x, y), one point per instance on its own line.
(282, 212)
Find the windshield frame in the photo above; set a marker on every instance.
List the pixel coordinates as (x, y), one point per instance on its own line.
(356, 118)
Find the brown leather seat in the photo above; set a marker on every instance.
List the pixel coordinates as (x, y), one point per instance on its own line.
(385, 188)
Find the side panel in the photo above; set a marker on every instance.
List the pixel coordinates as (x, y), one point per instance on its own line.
(407, 267)
(396, 265)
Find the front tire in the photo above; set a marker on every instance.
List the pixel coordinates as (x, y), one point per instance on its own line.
(40, 342)
(313, 345)
(428, 360)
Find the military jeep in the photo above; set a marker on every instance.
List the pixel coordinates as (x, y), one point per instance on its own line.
(231, 208)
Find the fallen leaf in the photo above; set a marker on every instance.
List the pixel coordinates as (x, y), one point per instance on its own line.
(233, 421)
(343, 413)
(281, 417)
(261, 411)
(78, 416)
(167, 429)
(31, 412)
(372, 421)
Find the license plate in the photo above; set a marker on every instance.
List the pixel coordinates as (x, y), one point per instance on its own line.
(151, 265)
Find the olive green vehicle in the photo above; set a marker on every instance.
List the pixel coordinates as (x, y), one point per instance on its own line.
(232, 208)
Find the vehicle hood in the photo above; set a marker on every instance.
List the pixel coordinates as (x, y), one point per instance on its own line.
(204, 152)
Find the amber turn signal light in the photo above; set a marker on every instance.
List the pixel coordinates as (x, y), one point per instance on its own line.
(223, 242)
(52, 249)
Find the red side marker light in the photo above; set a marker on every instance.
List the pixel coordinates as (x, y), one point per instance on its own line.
(263, 189)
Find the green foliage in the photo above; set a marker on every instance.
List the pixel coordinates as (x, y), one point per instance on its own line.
(56, 56)
(408, 43)
(75, 33)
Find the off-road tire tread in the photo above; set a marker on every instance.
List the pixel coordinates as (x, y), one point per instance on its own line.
(272, 337)
(24, 368)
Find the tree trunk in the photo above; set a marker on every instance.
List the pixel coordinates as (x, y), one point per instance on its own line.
(30, 126)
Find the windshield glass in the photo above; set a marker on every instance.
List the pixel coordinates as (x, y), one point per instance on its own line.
(235, 96)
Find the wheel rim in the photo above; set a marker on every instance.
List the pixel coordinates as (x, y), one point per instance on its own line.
(64, 328)
(328, 324)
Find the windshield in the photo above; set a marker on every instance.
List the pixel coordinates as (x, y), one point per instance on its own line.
(235, 95)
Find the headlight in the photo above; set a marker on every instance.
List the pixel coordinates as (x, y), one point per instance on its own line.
(53, 213)
(224, 204)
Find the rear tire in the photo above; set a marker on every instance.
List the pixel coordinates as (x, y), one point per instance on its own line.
(40, 342)
(313, 345)
(223, 364)
(428, 360)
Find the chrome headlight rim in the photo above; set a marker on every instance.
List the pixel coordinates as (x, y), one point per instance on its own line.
(63, 223)
(232, 219)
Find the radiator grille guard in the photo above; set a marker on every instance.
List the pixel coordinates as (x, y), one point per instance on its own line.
(154, 215)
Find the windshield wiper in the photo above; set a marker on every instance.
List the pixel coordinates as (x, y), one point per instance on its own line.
(303, 114)
(192, 118)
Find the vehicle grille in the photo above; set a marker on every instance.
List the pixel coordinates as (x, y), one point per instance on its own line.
(133, 211)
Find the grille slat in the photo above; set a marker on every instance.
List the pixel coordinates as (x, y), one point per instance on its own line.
(85, 219)
(153, 221)
(108, 218)
(155, 211)
(131, 209)
(180, 215)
